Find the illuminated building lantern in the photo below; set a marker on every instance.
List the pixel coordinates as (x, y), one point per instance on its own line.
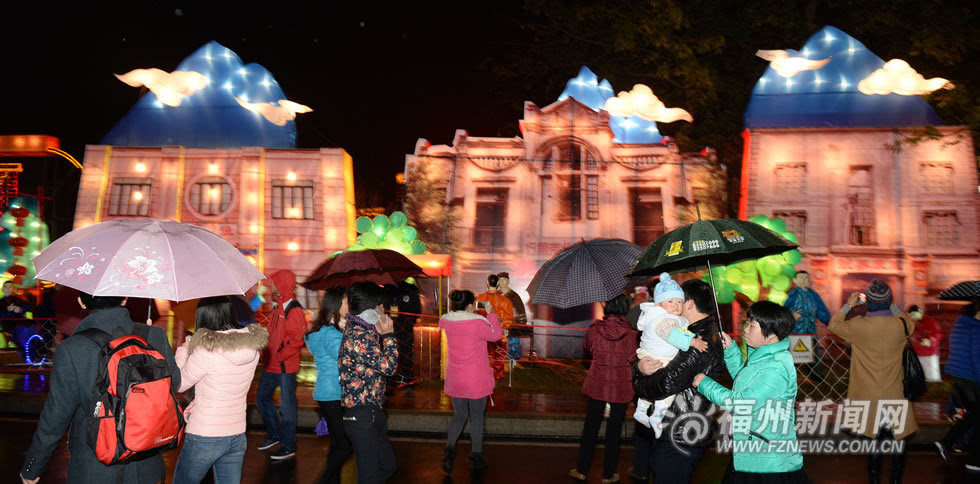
(592, 164)
(832, 155)
(190, 151)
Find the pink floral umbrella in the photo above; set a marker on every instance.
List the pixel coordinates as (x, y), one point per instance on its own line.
(146, 258)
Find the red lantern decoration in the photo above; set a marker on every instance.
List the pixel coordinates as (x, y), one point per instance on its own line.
(17, 271)
(20, 213)
(18, 243)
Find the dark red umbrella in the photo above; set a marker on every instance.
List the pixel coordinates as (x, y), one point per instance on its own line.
(381, 266)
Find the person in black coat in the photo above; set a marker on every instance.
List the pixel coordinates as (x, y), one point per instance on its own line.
(70, 400)
(676, 454)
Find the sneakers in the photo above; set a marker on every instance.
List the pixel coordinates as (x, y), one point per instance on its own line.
(610, 480)
(971, 467)
(283, 454)
(477, 462)
(268, 444)
(448, 455)
(578, 476)
(943, 452)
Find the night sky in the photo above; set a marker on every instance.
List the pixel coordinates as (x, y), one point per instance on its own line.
(378, 77)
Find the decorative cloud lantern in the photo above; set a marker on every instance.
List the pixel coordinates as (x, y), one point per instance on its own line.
(898, 77)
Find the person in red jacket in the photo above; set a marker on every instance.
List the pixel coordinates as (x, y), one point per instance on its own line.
(612, 343)
(286, 328)
(925, 342)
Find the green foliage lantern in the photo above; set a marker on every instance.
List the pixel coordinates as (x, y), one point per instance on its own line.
(768, 276)
(388, 232)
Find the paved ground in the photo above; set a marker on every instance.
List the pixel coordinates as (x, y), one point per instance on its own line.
(510, 462)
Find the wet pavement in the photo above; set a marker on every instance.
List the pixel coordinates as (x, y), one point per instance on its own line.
(511, 462)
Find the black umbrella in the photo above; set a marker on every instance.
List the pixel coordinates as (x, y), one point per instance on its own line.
(584, 273)
(706, 242)
(964, 291)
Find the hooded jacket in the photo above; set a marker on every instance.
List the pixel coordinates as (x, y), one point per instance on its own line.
(468, 373)
(220, 365)
(964, 349)
(325, 346)
(285, 330)
(676, 378)
(766, 381)
(612, 343)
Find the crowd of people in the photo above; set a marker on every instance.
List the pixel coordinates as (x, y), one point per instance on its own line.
(664, 351)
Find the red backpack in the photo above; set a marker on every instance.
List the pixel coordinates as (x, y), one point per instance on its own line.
(135, 411)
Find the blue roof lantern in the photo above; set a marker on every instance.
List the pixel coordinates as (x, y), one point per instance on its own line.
(588, 90)
(210, 118)
(828, 96)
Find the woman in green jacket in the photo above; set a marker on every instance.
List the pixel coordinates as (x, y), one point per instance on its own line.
(762, 403)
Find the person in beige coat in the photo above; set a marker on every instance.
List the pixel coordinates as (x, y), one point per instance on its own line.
(877, 341)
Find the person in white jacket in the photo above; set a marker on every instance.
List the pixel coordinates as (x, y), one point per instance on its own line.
(219, 362)
(664, 332)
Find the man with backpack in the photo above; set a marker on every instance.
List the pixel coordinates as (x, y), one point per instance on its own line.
(286, 328)
(72, 395)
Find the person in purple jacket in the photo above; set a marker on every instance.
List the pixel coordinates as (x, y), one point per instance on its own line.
(469, 380)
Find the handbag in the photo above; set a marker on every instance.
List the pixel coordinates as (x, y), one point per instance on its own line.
(321, 428)
(914, 378)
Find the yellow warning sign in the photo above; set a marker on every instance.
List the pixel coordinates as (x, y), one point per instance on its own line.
(800, 346)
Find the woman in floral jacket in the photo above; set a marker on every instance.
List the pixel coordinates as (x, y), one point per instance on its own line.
(368, 354)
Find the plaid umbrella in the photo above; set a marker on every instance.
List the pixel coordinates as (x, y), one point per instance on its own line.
(380, 266)
(706, 242)
(964, 291)
(584, 273)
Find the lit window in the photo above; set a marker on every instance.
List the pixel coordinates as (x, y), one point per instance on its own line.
(210, 195)
(942, 229)
(795, 223)
(292, 199)
(569, 183)
(491, 216)
(130, 197)
(592, 196)
(790, 179)
(936, 177)
(860, 207)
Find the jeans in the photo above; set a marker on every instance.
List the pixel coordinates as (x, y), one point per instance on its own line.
(284, 429)
(644, 439)
(199, 454)
(367, 427)
(593, 419)
(340, 448)
(966, 395)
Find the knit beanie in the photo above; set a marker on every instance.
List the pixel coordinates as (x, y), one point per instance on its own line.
(666, 289)
(879, 295)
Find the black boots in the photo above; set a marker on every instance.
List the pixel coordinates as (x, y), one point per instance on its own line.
(477, 462)
(898, 467)
(874, 468)
(448, 454)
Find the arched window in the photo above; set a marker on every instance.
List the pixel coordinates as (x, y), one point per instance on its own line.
(576, 181)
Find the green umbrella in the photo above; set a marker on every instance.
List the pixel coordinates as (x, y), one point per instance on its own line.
(706, 242)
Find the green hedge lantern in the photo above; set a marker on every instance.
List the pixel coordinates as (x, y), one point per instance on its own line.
(387, 232)
(769, 276)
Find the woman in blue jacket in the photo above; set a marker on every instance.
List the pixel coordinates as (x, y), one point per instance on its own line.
(324, 340)
(766, 382)
(963, 365)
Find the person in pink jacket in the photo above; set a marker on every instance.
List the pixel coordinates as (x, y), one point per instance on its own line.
(219, 362)
(469, 380)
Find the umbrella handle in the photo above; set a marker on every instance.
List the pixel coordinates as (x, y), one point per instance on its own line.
(714, 296)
